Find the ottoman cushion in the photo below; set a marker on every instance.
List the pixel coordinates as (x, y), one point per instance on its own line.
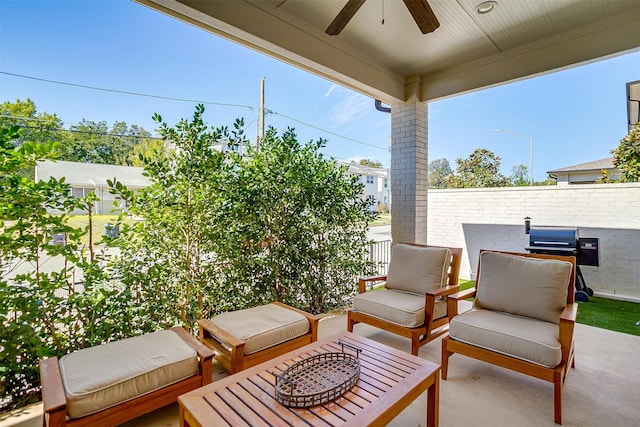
(263, 326)
(99, 377)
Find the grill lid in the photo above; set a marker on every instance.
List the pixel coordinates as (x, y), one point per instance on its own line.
(555, 238)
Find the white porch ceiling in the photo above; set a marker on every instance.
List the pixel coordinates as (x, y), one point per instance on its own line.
(394, 61)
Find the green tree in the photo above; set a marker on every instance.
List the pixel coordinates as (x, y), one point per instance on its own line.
(147, 148)
(439, 173)
(40, 314)
(37, 127)
(626, 157)
(168, 262)
(549, 181)
(371, 163)
(296, 226)
(520, 176)
(94, 142)
(480, 169)
(87, 142)
(224, 232)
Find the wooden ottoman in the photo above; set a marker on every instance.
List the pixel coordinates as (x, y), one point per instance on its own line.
(112, 383)
(248, 337)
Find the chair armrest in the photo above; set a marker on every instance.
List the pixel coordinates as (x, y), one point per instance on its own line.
(452, 301)
(205, 355)
(444, 291)
(466, 294)
(567, 323)
(362, 282)
(209, 330)
(203, 351)
(569, 313)
(53, 397)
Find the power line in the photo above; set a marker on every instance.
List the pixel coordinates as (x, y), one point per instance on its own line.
(127, 92)
(87, 132)
(329, 132)
(194, 101)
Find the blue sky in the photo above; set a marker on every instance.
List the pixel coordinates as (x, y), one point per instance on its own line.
(574, 116)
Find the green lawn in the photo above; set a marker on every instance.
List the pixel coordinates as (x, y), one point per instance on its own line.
(620, 316)
(97, 225)
(383, 219)
(614, 315)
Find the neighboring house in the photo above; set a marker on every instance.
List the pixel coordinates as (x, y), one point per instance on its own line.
(376, 184)
(225, 146)
(585, 173)
(633, 105)
(85, 178)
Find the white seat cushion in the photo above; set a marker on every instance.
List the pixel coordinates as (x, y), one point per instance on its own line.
(529, 287)
(524, 338)
(263, 326)
(417, 269)
(403, 308)
(99, 377)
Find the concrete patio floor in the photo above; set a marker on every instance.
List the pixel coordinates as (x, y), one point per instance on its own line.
(603, 389)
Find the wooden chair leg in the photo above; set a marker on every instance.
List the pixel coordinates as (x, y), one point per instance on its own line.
(445, 358)
(350, 322)
(557, 397)
(415, 344)
(237, 359)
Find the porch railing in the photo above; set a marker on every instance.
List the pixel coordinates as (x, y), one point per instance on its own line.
(379, 254)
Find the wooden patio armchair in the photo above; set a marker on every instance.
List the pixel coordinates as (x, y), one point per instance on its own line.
(522, 318)
(413, 301)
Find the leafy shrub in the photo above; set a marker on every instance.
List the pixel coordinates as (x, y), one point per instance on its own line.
(219, 232)
(41, 314)
(223, 231)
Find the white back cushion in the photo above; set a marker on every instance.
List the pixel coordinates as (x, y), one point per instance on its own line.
(529, 287)
(417, 269)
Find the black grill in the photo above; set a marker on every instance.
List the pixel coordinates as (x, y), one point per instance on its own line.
(556, 241)
(566, 241)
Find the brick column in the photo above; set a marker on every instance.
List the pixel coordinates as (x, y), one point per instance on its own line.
(409, 172)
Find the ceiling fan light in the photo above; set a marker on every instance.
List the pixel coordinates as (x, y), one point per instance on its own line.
(486, 7)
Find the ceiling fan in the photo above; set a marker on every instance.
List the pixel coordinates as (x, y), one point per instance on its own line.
(419, 9)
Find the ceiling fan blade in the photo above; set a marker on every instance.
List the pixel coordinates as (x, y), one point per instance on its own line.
(423, 15)
(342, 18)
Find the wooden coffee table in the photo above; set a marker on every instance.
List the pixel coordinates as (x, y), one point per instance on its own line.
(389, 381)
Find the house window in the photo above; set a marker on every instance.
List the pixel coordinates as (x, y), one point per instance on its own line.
(371, 198)
(386, 183)
(81, 192)
(369, 179)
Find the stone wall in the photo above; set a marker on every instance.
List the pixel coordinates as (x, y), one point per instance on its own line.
(493, 218)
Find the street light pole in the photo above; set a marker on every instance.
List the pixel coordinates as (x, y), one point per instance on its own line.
(530, 138)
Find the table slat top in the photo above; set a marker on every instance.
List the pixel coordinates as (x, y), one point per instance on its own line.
(387, 376)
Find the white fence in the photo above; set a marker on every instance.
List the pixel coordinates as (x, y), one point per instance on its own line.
(493, 218)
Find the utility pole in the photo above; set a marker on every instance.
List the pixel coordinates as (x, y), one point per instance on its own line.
(260, 116)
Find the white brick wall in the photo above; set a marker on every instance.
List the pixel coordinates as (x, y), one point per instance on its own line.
(493, 218)
(409, 171)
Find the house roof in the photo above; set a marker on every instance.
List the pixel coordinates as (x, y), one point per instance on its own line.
(359, 169)
(381, 52)
(596, 165)
(90, 175)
